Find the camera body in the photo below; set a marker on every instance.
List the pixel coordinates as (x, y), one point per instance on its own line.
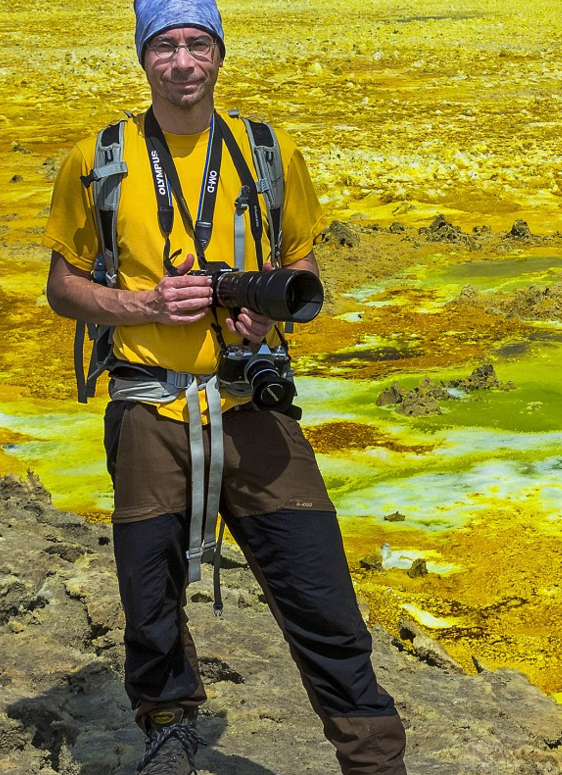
(266, 376)
(288, 295)
(215, 270)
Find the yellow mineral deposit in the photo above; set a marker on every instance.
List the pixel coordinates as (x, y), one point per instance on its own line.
(405, 112)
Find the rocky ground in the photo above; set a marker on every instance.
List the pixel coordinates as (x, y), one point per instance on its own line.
(375, 252)
(425, 398)
(63, 709)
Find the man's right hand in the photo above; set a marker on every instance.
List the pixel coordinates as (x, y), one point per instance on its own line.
(182, 298)
(175, 301)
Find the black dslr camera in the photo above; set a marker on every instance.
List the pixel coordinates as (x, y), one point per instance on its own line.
(288, 295)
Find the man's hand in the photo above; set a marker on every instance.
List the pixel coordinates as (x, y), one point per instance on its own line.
(183, 298)
(174, 301)
(249, 324)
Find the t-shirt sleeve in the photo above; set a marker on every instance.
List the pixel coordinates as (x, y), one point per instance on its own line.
(71, 228)
(303, 219)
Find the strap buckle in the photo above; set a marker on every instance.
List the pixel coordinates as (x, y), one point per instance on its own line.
(263, 185)
(106, 171)
(179, 379)
(243, 199)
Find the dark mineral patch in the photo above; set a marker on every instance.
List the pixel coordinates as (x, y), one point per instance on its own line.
(520, 230)
(468, 296)
(418, 404)
(482, 378)
(391, 395)
(479, 231)
(371, 562)
(424, 399)
(418, 568)
(421, 400)
(441, 230)
(342, 234)
(396, 516)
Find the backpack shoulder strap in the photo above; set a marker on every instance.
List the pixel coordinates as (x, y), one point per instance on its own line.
(271, 184)
(101, 358)
(105, 177)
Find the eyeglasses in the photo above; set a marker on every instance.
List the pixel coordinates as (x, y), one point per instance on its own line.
(200, 48)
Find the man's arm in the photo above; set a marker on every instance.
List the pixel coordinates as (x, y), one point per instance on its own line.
(307, 263)
(174, 301)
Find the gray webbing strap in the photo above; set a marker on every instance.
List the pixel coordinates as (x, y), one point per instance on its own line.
(270, 183)
(241, 205)
(204, 504)
(106, 170)
(215, 464)
(197, 482)
(150, 390)
(107, 174)
(202, 534)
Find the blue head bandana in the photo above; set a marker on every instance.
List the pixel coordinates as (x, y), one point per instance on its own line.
(154, 16)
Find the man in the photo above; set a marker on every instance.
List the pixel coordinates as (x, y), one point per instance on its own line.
(161, 425)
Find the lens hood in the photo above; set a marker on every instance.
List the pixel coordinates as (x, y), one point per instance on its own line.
(282, 294)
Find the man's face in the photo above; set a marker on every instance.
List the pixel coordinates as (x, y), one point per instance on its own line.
(184, 80)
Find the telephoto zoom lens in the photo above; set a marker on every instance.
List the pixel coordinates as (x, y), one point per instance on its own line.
(283, 294)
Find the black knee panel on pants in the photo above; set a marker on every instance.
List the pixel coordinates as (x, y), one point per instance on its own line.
(151, 568)
(301, 558)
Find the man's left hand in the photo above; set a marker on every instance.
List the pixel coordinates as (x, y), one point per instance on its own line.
(250, 325)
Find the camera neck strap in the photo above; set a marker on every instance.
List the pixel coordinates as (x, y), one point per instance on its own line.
(209, 185)
(249, 192)
(166, 181)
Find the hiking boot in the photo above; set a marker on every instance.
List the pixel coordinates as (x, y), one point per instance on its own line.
(171, 742)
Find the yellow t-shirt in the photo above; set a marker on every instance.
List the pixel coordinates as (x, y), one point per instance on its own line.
(72, 231)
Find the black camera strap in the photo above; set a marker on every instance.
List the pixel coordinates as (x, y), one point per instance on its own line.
(166, 180)
(209, 186)
(248, 183)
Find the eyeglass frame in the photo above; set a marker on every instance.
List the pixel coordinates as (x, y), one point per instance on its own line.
(176, 47)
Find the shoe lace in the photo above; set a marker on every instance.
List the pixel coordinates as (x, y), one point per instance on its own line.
(188, 738)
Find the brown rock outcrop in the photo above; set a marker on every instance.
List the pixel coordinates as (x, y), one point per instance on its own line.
(63, 709)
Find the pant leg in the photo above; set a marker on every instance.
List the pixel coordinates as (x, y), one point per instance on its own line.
(148, 459)
(298, 559)
(160, 656)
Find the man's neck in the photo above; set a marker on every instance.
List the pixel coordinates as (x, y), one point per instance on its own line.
(182, 121)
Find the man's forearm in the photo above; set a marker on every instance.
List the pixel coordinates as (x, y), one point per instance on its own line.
(177, 300)
(76, 297)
